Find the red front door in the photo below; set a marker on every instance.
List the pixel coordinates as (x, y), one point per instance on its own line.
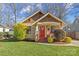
(42, 33)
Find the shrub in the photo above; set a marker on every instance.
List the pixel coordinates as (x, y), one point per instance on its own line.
(68, 39)
(20, 31)
(1, 35)
(50, 39)
(59, 34)
(7, 35)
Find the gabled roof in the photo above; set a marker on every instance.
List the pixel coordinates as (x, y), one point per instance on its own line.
(75, 27)
(51, 16)
(1, 26)
(39, 19)
(32, 15)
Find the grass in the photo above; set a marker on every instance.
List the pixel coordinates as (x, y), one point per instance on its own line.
(23, 48)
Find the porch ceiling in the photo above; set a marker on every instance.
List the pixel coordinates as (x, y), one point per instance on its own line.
(51, 23)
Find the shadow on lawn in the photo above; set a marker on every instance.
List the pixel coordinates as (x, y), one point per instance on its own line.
(9, 40)
(14, 40)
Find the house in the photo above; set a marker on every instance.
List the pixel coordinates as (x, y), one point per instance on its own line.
(4, 29)
(74, 29)
(1, 28)
(39, 23)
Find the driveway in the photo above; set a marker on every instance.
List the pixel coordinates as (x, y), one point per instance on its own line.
(74, 43)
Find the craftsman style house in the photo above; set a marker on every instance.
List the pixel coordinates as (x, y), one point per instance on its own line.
(39, 23)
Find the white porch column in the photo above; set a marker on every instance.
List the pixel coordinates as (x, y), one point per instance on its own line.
(36, 33)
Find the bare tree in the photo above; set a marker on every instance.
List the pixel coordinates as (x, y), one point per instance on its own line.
(8, 19)
(0, 13)
(59, 10)
(7, 16)
(13, 7)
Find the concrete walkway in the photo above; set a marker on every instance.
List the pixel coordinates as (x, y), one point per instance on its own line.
(74, 43)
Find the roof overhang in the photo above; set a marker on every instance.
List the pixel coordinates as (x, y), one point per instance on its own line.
(28, 24)
(32, 15)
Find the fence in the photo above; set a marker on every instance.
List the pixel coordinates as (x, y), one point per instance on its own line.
(74, 35)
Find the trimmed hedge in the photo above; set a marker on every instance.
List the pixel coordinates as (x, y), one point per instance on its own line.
(68, 39)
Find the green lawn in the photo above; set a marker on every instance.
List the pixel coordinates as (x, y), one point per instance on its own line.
(23, 48)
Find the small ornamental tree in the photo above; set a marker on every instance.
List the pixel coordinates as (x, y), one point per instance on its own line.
(59, 34)
(20, 31)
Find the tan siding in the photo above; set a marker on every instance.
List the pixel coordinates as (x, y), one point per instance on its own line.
(51, 19)
(30, 20)
(32, 35)
(37, 16)
(48, 19)
(34, 18)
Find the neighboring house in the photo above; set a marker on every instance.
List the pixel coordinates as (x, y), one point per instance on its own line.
(67, 27)
(4, 29)
(39, 23)
(73, 29)
(1, 28)
(75, 25)
(8, 28)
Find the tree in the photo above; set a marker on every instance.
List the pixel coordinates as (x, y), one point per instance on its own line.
(0, 13)
(13, 6)
(21, 33)
(8, 20)
(59, 10)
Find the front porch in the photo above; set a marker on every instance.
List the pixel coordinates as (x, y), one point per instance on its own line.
(44, 29)
(39, 31)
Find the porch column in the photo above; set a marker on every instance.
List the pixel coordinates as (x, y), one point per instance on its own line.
(36, 33)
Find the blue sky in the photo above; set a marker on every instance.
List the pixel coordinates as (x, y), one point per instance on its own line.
(25, 10)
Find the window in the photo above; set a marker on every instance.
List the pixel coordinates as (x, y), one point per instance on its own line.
(29, 31)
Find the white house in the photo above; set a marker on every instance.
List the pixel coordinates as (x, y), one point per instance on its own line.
(4, 29)
(1, 28)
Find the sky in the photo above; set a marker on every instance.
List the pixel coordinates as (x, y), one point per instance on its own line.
(23, 10)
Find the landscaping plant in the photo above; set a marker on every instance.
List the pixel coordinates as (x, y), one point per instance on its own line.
(1, 35)
(59, 34)
(68, 39)
(50, 39)
(20, 31)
